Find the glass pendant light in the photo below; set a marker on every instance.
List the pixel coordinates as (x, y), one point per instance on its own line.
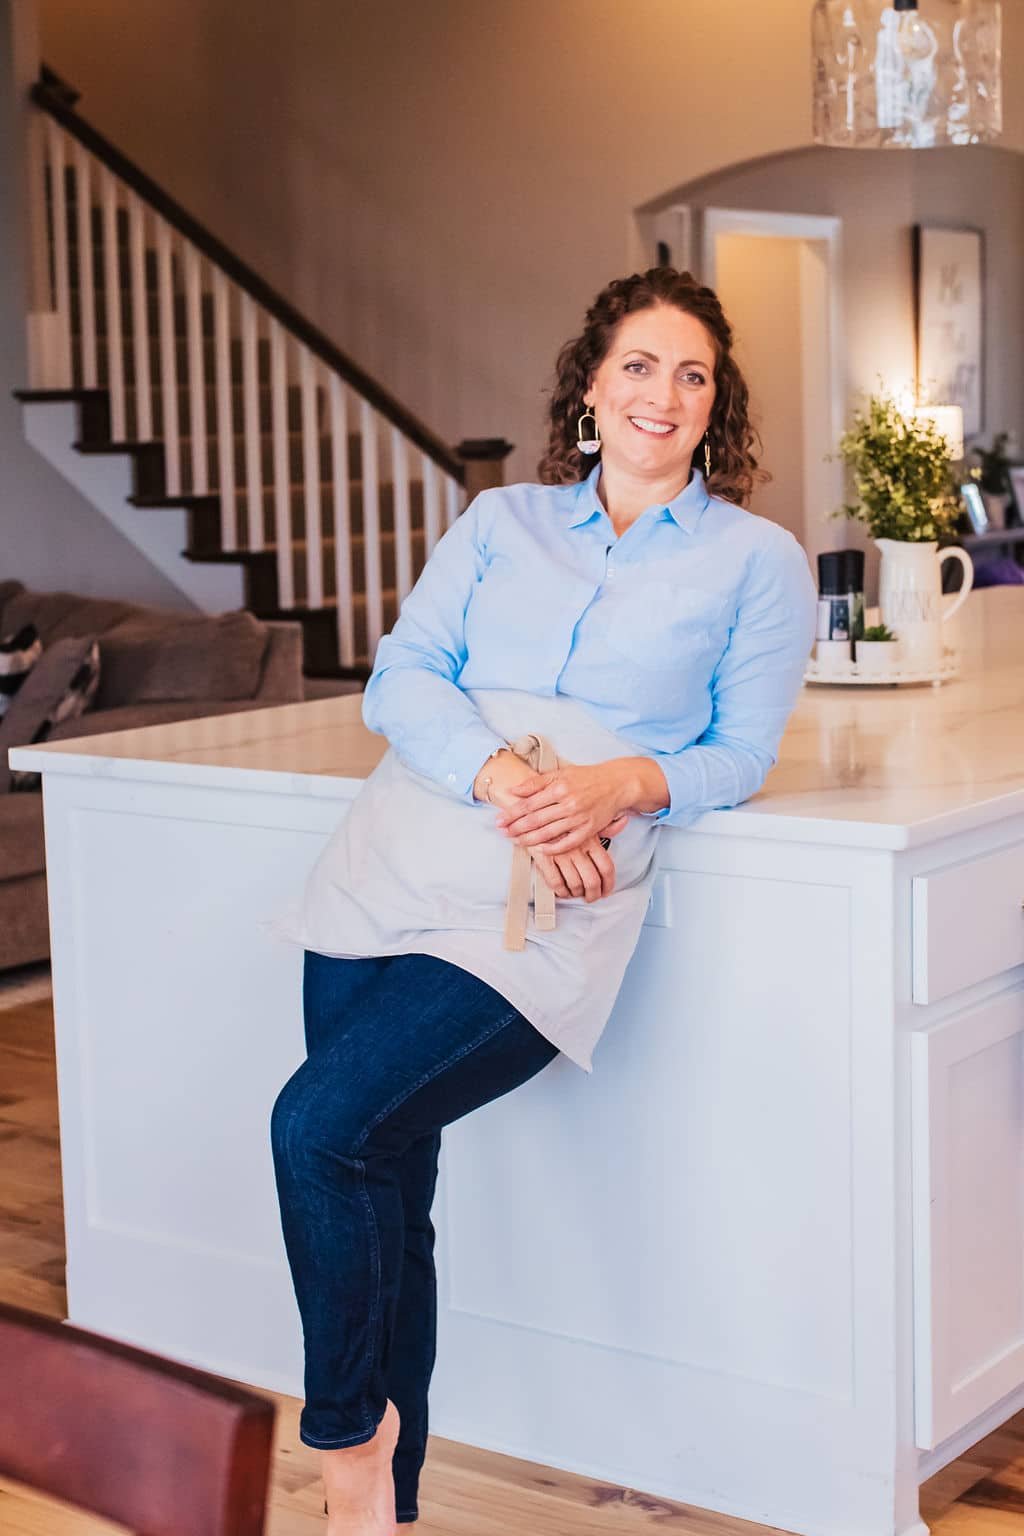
(907, 74)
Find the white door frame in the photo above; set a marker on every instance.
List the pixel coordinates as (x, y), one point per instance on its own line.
(826, 233)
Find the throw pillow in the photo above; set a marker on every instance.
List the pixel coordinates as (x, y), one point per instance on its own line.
(62, 686)
(18, 655)
(9, 590)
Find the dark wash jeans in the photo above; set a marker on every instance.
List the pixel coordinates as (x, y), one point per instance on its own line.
(397, 1047)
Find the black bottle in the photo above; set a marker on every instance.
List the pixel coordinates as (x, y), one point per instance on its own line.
(840, 595)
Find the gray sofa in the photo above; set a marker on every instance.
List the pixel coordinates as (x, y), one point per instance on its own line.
(200, 664)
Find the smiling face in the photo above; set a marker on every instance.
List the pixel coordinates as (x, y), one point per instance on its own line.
(652, 395)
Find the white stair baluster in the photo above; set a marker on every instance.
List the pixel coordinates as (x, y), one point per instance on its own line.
(371, 528)
(41, 306)
(169, 430)
(225, 426)
(140, 320)
(62, 281)
(311, 481)
(196, 370)
(251, 421)
(112, 292)
(342, 521)
(86, 280)
(431, 503)
(454, 498)
(282, 468)
(403, 516)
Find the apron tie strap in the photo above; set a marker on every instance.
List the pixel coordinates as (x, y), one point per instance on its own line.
(540, 755)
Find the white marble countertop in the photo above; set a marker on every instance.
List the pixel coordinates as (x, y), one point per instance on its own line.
(872, 767)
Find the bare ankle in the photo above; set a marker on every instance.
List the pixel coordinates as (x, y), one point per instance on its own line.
(358, 1482)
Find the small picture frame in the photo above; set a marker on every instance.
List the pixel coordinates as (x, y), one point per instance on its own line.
(1015, 475)
(974, 504)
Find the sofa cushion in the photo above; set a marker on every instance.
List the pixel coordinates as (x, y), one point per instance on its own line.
(19, 653)
(24, 921)
(8, 589)
(60, 687)
(58, 614)
(152, 659)
(21, 836)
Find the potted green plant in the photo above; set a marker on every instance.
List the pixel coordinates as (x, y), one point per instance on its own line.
(907, 496)
(877, 650)
(993, 464)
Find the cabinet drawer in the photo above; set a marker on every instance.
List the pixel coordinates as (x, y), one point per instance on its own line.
(968, 923)
(967, 1110)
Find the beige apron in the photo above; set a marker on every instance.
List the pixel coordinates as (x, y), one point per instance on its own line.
(412, 868)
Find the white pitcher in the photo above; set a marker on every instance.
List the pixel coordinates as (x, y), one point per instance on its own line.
(911, 599)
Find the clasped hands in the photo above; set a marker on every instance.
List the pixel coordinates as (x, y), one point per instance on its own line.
(560, 817)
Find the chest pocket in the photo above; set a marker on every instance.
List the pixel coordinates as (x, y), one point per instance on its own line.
(663, 626)
(496, 606)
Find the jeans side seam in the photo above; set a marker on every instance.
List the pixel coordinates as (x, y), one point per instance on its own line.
(428, 1077)
(371, 1332)
(374, 1245)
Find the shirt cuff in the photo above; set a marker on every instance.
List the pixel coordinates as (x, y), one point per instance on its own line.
(687, 787)
(466, 753)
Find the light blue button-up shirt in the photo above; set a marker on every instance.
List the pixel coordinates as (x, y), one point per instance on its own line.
(687, 636)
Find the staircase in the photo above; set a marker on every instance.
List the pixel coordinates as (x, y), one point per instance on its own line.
(243, 452)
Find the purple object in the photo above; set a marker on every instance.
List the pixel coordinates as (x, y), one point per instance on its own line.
(1004, 572)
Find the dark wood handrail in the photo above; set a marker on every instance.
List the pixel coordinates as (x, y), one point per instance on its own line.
(54, 100)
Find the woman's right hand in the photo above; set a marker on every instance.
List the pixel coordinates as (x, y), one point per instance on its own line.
(588, 871)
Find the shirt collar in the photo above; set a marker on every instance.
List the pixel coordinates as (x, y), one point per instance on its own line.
(685, 509)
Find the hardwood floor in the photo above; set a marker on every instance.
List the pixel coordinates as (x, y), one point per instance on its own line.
(464, 1491)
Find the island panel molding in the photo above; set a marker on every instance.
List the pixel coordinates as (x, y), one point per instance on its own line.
(717, 1316)
(968, 1087)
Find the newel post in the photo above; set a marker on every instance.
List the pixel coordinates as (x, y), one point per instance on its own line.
(484, 458)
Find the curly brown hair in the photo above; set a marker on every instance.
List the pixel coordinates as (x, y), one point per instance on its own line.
(733, 439)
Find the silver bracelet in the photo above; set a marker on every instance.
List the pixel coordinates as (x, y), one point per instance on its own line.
(489, 780)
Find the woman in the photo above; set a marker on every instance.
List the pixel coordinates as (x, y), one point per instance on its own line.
(627, 613)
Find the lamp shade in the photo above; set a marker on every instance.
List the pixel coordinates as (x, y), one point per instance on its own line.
(948, 421)
(912, 74)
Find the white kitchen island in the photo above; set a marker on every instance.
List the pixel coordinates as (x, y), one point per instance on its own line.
(767, 1259)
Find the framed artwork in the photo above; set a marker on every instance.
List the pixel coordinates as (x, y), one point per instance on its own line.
(949, 295)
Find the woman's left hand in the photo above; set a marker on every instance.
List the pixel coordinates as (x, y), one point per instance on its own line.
(559, 811)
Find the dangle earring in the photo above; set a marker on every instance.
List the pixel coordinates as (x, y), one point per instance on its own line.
(588, 444)
(707, 456)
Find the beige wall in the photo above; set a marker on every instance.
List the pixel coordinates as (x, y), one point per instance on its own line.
(769, 350)
(443, 187)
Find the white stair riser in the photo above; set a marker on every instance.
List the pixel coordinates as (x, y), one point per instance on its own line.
(106, 483)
